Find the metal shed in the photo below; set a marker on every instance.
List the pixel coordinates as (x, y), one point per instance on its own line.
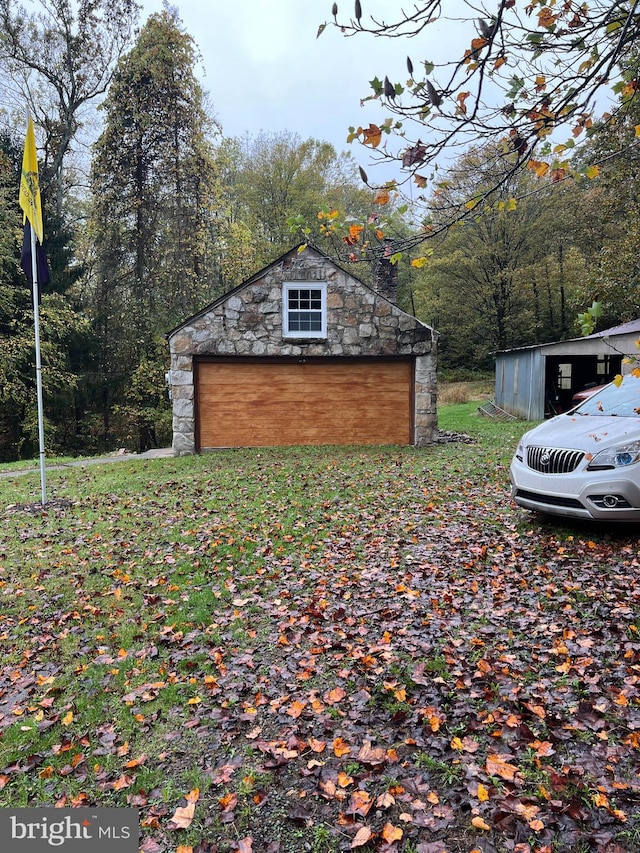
(538, 381)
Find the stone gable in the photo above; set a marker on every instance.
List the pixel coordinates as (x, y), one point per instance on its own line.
(247, 322)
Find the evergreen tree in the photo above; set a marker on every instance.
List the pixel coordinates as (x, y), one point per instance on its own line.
(63, 337)
(154, 194)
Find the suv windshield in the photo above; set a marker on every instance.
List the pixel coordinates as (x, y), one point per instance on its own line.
(623, 401)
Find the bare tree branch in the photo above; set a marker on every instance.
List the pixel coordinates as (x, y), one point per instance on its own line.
(59, 59)
(528, 78)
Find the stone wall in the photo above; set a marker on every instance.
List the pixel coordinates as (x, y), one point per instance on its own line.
(248, 322)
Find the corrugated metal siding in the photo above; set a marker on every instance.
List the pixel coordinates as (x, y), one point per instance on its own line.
(520, 383)
(520, 373)
(594, 345)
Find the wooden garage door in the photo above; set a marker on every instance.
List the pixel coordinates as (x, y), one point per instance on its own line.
(274, 403)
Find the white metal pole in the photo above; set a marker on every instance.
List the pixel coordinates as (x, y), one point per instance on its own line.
(36, 324)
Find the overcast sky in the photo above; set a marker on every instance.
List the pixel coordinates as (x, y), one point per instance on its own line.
(265, 69)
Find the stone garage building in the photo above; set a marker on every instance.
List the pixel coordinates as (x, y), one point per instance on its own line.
(303, 353)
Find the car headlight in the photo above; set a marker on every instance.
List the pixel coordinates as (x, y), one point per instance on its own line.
(616, 457)
(519, 454)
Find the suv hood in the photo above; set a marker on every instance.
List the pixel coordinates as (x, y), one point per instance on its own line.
(587, 432)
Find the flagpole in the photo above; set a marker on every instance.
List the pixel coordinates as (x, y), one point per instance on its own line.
(31, 205)
(36, 324)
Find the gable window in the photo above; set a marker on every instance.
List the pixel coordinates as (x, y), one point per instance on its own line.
(304, 312)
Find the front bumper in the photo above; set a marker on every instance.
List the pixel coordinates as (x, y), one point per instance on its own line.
(581, 494)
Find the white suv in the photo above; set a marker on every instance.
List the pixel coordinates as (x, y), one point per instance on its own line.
(585, 463)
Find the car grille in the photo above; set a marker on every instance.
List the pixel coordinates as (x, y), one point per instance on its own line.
(553, 460)
(550, 500)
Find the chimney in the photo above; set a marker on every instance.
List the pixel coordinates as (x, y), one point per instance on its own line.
(385, 275)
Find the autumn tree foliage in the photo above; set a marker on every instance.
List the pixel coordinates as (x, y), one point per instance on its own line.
(504, 279)
(528, 76)
(267, 181)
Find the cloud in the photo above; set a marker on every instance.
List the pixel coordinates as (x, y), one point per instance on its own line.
(266, 70)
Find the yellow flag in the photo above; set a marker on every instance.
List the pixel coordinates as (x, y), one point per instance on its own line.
(30, 185)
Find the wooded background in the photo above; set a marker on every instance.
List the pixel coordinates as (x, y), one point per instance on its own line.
(150, 212)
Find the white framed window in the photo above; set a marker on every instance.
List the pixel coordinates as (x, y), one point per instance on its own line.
(304, 309)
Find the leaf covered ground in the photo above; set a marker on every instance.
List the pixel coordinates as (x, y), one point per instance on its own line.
(321, 649)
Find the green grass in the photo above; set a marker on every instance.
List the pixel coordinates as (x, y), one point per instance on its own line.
(465, 418)
(34, 464)
(221, 622)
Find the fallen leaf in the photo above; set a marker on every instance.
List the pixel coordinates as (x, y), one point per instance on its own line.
(542, 747)
(482, 793)
(385, 800)
(149, 845)
(332, 697)
(182, 817)
(497, 765)
(296, 708)
(362, 836)
(344, 780)
(228, 802)
(341, 747)
(371, 754)
(391, 833)
(360, 803)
